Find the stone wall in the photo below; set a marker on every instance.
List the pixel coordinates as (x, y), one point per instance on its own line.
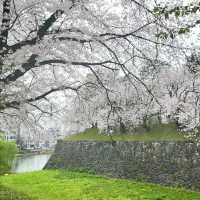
(169, 163)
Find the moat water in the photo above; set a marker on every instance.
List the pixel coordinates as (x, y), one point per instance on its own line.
(28, 163)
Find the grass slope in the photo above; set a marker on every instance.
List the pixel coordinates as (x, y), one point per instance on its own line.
(65, 185)
(166, 132)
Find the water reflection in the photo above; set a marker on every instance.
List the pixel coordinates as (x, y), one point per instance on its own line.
(30, 163)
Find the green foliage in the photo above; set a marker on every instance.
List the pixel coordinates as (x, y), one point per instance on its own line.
(67, 185)
(193, 63)
(163, 132)
(178, 11)
(162, 35)
(7, 154)
(1, 135)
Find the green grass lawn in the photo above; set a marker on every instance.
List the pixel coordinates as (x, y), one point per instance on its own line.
(66, 185)
(165, 132)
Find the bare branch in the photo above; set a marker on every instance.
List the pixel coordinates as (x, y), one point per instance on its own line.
(5, 24)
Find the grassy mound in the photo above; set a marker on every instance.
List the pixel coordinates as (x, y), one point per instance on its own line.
(65, 185)
(165, 132)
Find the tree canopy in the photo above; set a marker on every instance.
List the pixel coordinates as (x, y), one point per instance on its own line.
(98, 62)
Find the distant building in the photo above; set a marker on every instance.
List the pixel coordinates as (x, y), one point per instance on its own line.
(10, 137)
(39, 140)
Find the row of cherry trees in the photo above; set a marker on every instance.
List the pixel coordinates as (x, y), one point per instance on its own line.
(176, 99)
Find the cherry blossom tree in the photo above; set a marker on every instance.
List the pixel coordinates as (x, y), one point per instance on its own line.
(103, 62)
(49, 46)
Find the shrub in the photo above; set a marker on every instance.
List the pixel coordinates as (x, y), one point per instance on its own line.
(7, 154)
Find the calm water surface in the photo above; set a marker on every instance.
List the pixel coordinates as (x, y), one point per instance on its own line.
(30, 163)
